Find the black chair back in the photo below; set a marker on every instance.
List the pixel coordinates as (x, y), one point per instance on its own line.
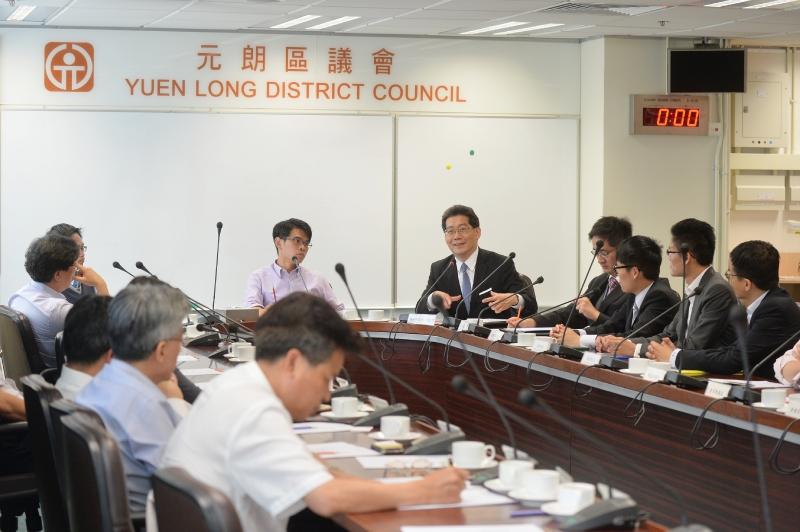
(38, 396)
(59, 409)
(185, 503)
(97, 497)
(20, 353)
(59, 349)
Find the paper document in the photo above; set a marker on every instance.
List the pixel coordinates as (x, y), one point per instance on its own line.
(380, 462)
(537, 330)
(186, 358)
(471, 496)
(756, 385)
(319, 427)
(339, 449)
(526, 527)
(200, 371)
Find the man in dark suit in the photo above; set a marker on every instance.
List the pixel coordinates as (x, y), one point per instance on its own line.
(772, 315)
(706, 313)
(645, 295)
(469, 266)
(606, 295)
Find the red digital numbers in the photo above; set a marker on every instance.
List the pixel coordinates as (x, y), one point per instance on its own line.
(671, 116)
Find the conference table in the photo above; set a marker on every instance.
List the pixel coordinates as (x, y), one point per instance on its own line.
(714, 471)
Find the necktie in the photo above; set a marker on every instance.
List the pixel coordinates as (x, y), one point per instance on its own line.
(612, 284)
(466, 286)
(634, 314)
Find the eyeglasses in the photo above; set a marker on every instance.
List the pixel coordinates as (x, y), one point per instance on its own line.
(461, 230)
(728, 275)
(83, 247)
(625, 266)
(299, 241)
(602, 253)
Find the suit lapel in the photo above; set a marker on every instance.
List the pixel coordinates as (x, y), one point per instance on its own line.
(698, 299)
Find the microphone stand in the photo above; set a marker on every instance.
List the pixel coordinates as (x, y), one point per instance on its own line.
(216, 266)
(297, 267)
(404, 317)
(483, 332)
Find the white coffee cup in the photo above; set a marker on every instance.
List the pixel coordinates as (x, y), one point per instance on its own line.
(638, 365)
(575, 496)
(395, 426)
(539, 484)
(233, 346)
(376, 314)
(244, 352)
(773, 397)
(350, 314)
(793, 398)
(509, 470)
(472, 454)
(344, 406)
(526, 338)
(542, 343)
(190, 331)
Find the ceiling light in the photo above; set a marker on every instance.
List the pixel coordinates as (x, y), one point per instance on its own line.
(532, 28)
(294, 22)
(334, 22)
(495, 27)
(726, 3)
(769, 4)
(20, 13)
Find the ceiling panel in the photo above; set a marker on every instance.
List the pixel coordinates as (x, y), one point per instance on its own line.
(119, 18)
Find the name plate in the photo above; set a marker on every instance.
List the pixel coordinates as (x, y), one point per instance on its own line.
(793, 409)
(591, 358)
(422, 319)
(717, 390)
(495, 335)
(463, 325)
(654, 374)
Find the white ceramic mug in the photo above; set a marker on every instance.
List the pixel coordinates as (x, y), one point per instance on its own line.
(773, 397)
(244, 352)
(638, 365)
(793, 398)
(575, 496)
(472, 454)
(509, 470)
(539, 484)
(526, 338)
(233, 346)
(395, 426)
(376, 314)
(344, 406)
(542, 343)
(350, 314)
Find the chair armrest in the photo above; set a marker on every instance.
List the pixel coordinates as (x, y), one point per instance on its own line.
(17, 427)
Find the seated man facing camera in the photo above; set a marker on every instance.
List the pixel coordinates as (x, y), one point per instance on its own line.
(239, 437)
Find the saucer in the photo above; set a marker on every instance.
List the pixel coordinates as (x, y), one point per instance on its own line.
(631, 372)
(525, 498)
(555, 510)
(331, 415)
(405, 437)
(234, 359)
(496, 486)
(486, 465)
(765, 407)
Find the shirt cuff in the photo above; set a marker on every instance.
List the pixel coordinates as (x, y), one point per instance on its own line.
(673, 357)
(520, 302)
(588, 340)
(429, 302)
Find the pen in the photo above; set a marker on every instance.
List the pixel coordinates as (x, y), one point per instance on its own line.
(526, 513)
(274, 295)
(519, 312)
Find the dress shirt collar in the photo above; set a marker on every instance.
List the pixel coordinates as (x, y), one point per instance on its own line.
(42, 288)
(751, 308)
(281, 272)
(471, 261)
(694, 284)
(118, 368)
(72, 381)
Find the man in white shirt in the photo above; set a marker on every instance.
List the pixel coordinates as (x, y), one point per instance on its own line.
(86, 344)
(239, 437)
(51, 261)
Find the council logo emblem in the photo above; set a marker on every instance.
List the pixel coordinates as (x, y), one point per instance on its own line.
(68, 66)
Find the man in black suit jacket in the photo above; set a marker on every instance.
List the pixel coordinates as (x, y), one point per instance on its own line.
(606, 296)
(646, 296)
(454, 277)
(707, 312)
(772, 315)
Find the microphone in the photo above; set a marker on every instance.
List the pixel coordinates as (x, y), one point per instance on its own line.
(118, 266)
(609, 511)
(140, 265)
(684, 250)
(437, 301)
(589, 293)
(474, 290)
(738, 317)
(539, 280)
(597, 247)
(433, 284)
(394, 409)
(297, 267)
(781, 347)
(216, 267)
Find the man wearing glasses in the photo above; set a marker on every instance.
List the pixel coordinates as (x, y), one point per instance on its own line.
(647, 296)
(79, 287)
(267, 285)
(467, 267)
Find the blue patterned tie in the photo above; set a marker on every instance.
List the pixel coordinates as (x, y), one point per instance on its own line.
(466, 286)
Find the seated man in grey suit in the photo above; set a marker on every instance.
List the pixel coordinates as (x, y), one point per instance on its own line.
(646, 296)
(772, 315)
(706, 313)
(606, 295)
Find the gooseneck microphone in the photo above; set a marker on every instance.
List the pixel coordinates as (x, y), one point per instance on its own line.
(118, 266)
(738, 317)
(450, 264)
(297, 267)
(683, 324)
(539, 280)
(475, 289)
(140, 266)
(597, 247)
(589, 293)
(781, 347)
(216, 267)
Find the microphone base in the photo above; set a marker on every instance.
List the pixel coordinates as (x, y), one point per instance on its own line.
(479, 330)
(440, 443)
(403, 318)
(566, 352)
(374, 418)
(603, 514)
(612, 362)
(684, 381)
(205, 339)
(219, 353)
(351, 390)
(739, 393)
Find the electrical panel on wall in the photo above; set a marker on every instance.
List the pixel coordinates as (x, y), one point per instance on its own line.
(760, 192)
(762, 114)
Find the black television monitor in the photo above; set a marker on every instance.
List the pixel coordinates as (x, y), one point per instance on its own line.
(722, 70)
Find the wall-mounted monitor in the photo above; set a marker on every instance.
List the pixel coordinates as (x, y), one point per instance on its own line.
(692, 71)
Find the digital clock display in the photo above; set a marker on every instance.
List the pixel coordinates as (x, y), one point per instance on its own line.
(671, 116)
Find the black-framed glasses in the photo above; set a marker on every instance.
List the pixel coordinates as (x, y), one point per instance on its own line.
(626, 266)
(460, 230)
(602, 253)
(299, 241)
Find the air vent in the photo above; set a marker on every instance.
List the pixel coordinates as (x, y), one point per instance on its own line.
(601, 9)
